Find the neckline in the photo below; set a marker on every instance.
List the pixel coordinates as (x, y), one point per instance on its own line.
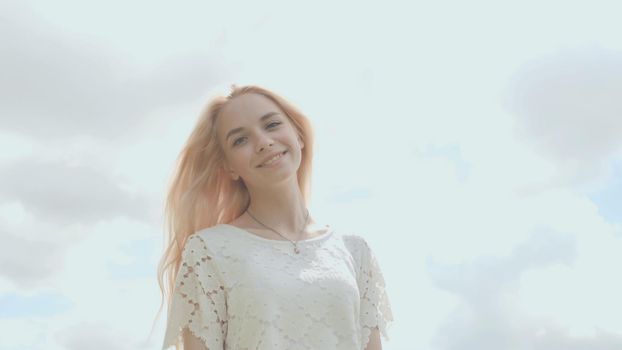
(252, 235)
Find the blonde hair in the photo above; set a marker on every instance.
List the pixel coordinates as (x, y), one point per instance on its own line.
(201, 194)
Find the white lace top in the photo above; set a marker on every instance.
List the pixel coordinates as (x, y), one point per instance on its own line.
(236, 290)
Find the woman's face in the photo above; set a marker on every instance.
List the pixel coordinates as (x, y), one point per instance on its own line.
(251, 128)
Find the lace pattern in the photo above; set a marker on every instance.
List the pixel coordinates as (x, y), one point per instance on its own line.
(375, 304)
(199, 301)
(235, 292)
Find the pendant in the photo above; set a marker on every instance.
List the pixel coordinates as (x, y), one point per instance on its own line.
(297, 250)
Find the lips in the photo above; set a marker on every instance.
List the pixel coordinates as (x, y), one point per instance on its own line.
(270, 157)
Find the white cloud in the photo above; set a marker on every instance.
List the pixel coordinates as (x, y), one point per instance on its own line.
(490, 317)
(568, 106)
(65, 193)
(56, 84)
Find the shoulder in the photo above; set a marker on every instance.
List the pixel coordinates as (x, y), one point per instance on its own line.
(355, 243)
(204, 238)
(205, 245)
(210, 234)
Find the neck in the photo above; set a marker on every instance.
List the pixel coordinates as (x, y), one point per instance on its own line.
(281, 208)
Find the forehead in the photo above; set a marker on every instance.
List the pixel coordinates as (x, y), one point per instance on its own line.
(246, 108)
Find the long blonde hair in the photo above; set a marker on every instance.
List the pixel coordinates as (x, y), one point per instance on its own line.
(201, 194)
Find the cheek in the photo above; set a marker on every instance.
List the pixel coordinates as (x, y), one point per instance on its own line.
(241, 157)
(289, 136)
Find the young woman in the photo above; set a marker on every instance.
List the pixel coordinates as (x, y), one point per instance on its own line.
(247, 266)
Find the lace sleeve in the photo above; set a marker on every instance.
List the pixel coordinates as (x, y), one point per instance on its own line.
(199, 301)
(375, 305)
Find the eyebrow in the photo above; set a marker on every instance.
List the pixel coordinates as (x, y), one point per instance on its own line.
(236, 130)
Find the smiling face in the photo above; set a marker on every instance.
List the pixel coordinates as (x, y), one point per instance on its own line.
(250, 129)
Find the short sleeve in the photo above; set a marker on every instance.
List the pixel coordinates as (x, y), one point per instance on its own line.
(199, 300)
(375, 306)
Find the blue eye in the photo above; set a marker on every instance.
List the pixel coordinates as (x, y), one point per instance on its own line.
(270, 126)
(235, 143)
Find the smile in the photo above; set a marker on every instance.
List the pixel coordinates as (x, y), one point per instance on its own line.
(273, 159)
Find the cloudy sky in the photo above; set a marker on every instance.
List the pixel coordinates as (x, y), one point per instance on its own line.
(483, 143)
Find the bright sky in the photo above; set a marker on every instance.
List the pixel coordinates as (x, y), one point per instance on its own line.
(477, 146)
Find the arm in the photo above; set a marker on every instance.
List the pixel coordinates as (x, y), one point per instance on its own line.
(374, 340)
(376, 314)
(197, 315)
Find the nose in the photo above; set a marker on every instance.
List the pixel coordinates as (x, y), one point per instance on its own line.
(263, 143)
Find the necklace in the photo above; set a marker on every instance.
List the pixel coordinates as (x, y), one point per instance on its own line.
(294, 243)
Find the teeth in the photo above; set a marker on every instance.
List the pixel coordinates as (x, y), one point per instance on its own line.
(272, 159)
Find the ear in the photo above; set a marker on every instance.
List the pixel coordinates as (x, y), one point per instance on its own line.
(231, 173)
(302, 144)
